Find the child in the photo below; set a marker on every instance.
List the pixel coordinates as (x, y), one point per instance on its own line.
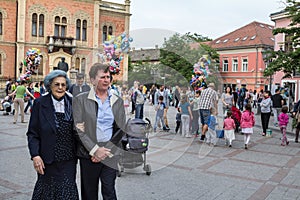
(211, 133)
(247, 123)
(195, 113)
(160, 108)
(178, 121)
(229, 127)
(283, 120)
(186, 115)
(126, 99)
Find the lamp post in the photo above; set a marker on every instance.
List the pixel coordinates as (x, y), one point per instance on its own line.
(267, 60)
(164, 78)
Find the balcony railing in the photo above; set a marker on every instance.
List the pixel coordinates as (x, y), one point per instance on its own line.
(54, 43)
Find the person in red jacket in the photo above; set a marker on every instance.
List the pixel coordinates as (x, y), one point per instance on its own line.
(247, 123)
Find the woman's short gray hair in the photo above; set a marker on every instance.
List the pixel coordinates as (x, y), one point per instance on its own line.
(54, 74)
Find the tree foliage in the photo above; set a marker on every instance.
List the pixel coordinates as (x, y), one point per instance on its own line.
(287, 61)
(178, 55)
(176, 62)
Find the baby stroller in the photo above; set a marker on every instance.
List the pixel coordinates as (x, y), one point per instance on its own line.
(135, 145)
(236, 116)
(6, 105)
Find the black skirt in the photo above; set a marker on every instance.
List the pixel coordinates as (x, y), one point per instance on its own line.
(57, 183)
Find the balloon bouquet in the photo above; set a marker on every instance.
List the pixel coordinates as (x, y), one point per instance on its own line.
(31, 63)
(114, 47)
(201, 72)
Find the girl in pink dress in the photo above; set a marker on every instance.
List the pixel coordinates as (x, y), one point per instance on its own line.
(283, 120)
(229, 127)
(247, 123)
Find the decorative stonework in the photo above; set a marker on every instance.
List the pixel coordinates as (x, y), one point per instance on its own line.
(62, 12)
(3, 55)
(82, 16)
(4, 13)
(38, 9)
(4, 16)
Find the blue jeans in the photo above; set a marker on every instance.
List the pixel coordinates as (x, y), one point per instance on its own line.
(157, 119)
(139, 111)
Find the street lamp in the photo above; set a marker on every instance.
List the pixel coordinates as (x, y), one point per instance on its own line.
(164, 78)
(266, 57)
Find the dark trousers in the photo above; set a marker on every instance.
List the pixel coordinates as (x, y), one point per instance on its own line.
(29, 105)
(265, 118)
(132, 107)
(177, 126)
(90, 174)
(241, 104)
(176, 102)
(195, 121)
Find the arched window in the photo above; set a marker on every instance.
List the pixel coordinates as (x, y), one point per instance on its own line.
(83, 64)
(60, 26)
(56, 26)
(77, 64)
(104, 34)
(64, 27)
(84, 29)
(41, 25)
(1, 23)
(78, 29)
(34, 25)
(41, 66)
(110, 30)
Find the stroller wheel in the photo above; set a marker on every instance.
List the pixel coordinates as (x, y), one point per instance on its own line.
(119, 173)
(147, 168)
(120, 170)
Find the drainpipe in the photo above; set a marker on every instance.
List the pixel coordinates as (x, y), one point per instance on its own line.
(16, 38)
(256, 66)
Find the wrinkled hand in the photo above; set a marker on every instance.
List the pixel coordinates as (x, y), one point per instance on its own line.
(100, 154)
(38, 164)
(80, 126)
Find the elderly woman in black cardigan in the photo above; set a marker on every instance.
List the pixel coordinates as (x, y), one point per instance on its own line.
(51, 141)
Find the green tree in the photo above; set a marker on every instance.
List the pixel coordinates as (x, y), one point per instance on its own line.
(197, 38)
(178, 55)
(289, 60)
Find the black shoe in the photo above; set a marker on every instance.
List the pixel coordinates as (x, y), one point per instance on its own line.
(246, 146)
(202, 137)
(296, 141)
(230, 145)
(166, 128)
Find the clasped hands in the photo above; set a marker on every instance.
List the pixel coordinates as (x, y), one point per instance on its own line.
(100, 154)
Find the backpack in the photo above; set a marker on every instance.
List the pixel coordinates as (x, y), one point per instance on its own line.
(242, 93)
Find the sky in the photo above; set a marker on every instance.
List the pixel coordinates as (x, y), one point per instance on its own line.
(154, 20)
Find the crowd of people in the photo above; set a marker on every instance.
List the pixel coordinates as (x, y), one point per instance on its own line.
(87, 123)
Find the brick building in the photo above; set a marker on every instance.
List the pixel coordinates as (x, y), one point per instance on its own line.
(74, 29)
(241, 55)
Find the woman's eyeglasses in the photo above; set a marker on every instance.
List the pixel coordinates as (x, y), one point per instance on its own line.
(63, 85)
